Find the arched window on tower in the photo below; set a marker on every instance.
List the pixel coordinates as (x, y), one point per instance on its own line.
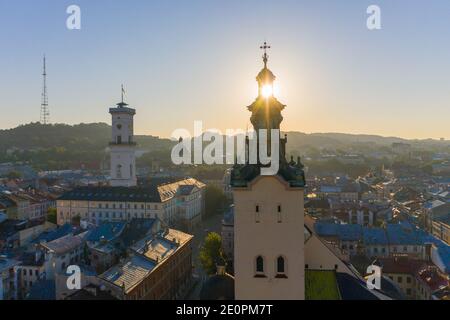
(259, 267)
(281, 267)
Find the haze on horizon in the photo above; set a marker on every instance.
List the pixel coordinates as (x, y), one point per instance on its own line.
(182, 61)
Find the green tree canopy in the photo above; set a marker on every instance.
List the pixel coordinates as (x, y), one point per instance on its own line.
(215, 200)
(211, 252)
(51, 215)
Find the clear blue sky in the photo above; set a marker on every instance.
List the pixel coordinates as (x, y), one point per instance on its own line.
(191, 60)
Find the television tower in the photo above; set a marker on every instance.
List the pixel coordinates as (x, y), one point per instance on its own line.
(45, 114)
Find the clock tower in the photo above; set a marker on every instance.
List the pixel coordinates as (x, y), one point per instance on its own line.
(122, 146)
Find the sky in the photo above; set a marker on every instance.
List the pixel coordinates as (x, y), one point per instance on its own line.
(187, 60)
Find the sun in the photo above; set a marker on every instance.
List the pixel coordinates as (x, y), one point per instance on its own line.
(267, 91)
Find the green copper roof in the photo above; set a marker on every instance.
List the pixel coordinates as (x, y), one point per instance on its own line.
(241, 175)
(321, 285)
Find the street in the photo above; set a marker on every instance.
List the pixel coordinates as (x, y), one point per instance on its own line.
(209, 224)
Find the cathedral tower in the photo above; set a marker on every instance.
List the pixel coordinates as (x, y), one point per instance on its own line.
(122, 146)
(269, 217)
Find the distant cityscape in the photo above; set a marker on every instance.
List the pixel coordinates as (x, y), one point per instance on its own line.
(97, 213)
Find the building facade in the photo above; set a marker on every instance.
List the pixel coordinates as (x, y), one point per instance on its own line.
(180, 202)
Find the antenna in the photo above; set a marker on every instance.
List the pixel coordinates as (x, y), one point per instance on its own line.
(45, 114)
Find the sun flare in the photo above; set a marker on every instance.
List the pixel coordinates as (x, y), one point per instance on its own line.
(267, 91)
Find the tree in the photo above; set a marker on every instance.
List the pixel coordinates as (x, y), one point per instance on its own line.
(215, 199)
(211, 252)
(51, 215)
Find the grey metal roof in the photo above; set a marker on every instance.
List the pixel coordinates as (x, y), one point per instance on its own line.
(135, 194)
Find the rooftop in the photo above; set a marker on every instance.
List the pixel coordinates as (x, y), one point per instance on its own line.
(91, 292)
(66, 243)
(48, 236)
(432, 278)
(374, 236)
(148, 253)
(152, 192)
(404, 234)
(321, 285)
(106, 231)
(399, 265)
(130, 273)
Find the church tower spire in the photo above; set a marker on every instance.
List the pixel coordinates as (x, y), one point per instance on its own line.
(269, 214)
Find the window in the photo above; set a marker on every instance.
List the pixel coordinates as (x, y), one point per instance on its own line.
(259, 267)
(408, 279)
(279, 217)
(281, 268)
(400, 279)
(405, 249)
(280, 265)
(257, 214)
(408, 291)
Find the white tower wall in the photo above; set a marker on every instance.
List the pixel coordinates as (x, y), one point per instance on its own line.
(269, 234)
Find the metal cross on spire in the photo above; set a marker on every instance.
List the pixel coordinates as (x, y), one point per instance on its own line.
(265, 56)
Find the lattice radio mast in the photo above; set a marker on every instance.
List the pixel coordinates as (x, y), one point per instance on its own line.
(45, 113)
